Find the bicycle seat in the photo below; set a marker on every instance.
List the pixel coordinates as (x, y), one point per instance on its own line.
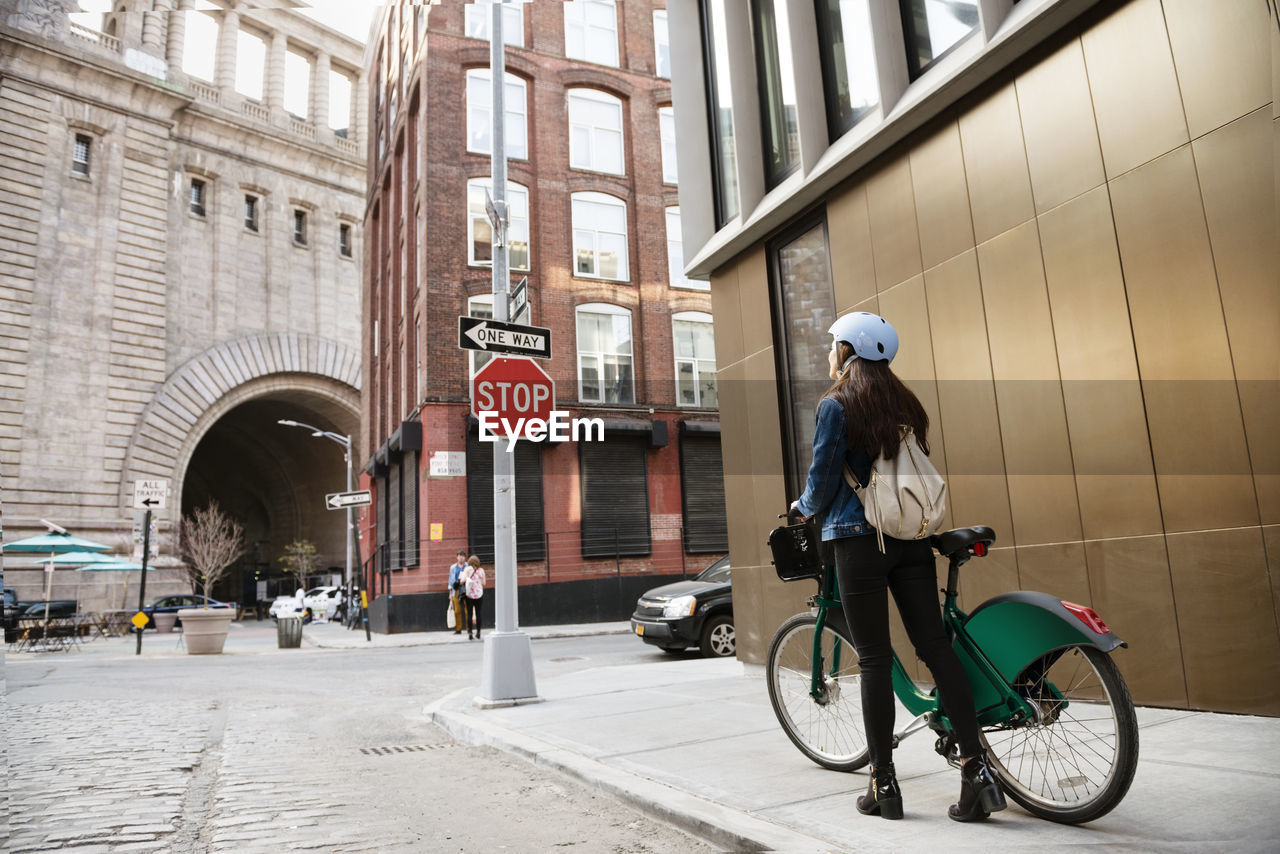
(950, 543)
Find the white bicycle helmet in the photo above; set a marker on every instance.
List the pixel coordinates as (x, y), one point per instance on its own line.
(871, 336)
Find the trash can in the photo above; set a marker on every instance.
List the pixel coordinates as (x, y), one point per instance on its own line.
(289, 632)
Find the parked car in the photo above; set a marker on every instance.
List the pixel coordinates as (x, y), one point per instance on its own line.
(323, 601)
(11, 612)
(284, 605)
(172, 604)
(693, 613)
(57, 608)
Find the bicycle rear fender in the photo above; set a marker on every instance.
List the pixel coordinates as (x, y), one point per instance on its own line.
(1014, 629)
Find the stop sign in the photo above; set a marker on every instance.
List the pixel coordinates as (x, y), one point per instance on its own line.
(513, 389)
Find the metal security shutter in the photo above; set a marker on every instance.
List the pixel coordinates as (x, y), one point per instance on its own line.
(395, 520)
(384, 524)
(409, 485)
(615, 497)
(702, 488)
(531, 541)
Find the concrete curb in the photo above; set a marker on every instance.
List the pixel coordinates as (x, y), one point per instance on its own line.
(720, 825)
(441, 638)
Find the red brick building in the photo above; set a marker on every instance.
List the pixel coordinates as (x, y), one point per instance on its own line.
(595, 230)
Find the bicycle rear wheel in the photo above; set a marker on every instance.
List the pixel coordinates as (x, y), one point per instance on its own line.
(827, 728)
(1075, 761)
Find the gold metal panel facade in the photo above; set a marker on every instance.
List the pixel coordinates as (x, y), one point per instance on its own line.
(1129, 579)
(853, 273)
(1135, 90)
(1058, 128)
(995, 164)
(1271, 542)
(1197, 437)
(1222, 588)
(753, 290)
(988, 576)
(1061, 568)
(1111, 453)
(1222, 56)
(1241, 215)
(727, 312)
(942, 198)
(1033, 424)
(895, 242)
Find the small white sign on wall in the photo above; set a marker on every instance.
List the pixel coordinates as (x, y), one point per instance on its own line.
(448, 464)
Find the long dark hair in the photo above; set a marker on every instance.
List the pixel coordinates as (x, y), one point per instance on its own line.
(876, 406)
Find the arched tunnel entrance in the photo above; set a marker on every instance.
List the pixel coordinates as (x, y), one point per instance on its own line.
(273, 479)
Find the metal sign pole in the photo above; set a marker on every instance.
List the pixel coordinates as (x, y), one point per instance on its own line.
(507, 673)
(142, 585)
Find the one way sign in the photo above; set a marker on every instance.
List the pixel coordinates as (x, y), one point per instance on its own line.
(343, 500)
(494, 336)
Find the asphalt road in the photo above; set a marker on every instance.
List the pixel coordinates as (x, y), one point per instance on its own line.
(321, 750)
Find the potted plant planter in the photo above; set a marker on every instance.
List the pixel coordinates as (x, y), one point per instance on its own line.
(164, 621)
(205, 629)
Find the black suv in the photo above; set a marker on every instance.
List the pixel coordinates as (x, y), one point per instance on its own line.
(693, 613)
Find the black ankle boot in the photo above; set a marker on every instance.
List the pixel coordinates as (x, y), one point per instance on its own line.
(980, 793)
(883, 797)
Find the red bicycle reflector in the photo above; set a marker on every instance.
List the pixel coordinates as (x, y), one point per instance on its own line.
(979, 549)
(1088, 616)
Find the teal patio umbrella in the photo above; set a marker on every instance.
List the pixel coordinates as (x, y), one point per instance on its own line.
(53, 544)
(75, 559)
(114, 564)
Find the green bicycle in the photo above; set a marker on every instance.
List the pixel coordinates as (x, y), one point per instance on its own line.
(1056, 717)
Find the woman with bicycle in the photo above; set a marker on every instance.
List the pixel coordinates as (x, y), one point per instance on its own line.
(860, 418)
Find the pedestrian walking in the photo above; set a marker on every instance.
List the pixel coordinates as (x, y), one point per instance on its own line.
(455, 589)
(859, 418)
(473, 579)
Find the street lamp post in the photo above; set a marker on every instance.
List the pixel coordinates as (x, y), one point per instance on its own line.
(345, 442)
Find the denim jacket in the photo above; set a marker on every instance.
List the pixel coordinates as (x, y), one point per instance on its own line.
(826, 494)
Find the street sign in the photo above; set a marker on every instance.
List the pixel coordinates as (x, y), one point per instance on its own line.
(140, 619)
(496, 219)
(514, 390)
(343, 500)
(518, 302)
(150, 494)
(495, 336)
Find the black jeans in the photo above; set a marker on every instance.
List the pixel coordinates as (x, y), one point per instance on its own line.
(473, 610)
(907, 569)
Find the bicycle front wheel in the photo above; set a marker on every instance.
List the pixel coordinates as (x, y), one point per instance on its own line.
(1073, 762)
(823, 721)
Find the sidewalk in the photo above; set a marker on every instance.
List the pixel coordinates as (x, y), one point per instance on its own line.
(695, 742)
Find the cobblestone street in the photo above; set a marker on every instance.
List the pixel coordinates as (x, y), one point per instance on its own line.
(283, 750)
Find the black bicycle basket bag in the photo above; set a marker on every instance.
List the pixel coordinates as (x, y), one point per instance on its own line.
(796, 552)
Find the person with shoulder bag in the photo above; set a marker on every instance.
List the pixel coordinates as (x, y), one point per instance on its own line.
(473, 579)
(455, 591)
(871, 434)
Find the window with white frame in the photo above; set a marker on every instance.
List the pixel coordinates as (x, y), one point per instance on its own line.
(595, 131)
(605, 354)
(479, 114)
(479, 15)
(599, 236)
(661, 45)
(479, 306)
(667, 130)
(81, 151)
(196, 197)
(695, 350)
(591, 31)
(675, 255)
(480, 232)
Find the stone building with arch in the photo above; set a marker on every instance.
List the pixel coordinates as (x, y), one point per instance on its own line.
(182, 254)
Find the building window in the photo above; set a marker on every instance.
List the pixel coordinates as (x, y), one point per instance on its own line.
(848, 63)
(661, 45)
(695, 350)
(300, 227)
(479, 114)
(251, 213)
(480, 232)
(804, 309)
(724, 173)
(615, 497)
(344, 240)
(933, 27)
(479, 14)
(591, 31)
(599, 236)
(81, 151)
(595, 131)
(604, 354)
(479, 306)
(667, 130)
(197, 197)
(775, 74)
(675, 255)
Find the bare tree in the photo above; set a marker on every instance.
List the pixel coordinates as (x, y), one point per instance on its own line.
(210, 541)
(299, 560)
